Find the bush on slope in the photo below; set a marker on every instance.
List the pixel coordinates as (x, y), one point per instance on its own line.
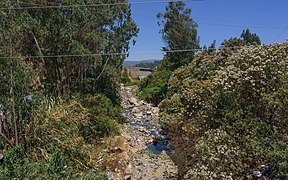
(228, 115)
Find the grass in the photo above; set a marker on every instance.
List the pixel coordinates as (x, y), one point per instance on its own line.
(149, 90)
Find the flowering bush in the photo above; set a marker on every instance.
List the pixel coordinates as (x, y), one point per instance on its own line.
(241, 93)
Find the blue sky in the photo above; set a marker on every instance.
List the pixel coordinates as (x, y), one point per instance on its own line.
(216, 19)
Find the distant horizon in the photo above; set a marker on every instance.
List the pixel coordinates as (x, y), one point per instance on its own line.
(142, 60)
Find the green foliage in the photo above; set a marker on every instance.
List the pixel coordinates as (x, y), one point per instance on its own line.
(132, 83)
(62, 139)
(246, 38)
(249, 38)
(72, 127)
(106, 126)
(57, 166)
(154, 87)
(107, 84)
(158, 78)
(14, 94)
(100, 105)
(178, 33)
(228, 114)
(60, 105)
(232, 42)
(148, 91)
(67, 31)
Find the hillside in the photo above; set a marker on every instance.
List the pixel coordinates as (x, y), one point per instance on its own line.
(227, 117)
(133, 63)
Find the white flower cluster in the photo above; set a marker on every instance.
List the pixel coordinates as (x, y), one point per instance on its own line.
(260, 67)
(218, 157)
(245, 75)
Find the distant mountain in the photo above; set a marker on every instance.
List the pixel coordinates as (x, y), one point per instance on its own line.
(133, 63)
(149, 65)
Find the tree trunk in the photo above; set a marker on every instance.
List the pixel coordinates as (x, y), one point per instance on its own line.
(12, 90)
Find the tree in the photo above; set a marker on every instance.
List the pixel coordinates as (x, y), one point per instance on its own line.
(246, 38)
(178, 33)
(69, 31)
(32, 34)
(232, 42)
(212, 47)
(250, 38)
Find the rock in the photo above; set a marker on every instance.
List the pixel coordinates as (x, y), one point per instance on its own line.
(106, 151)
(148, 112)
(128, 138)
(125, 156)
(128, 170)
(150, 141)
(140, 114)
(129, 106)
(256, 173)
(135, 110)
(127, 177)
(164, 155)
(142, 129)
(134, 101)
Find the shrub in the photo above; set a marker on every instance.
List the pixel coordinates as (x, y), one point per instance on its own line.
(154, 87)
(240, 92)
(72, 128)
(57, 166)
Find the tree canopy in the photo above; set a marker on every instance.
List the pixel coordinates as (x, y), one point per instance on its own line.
(246, 38)
(179, 32)
(75, 32)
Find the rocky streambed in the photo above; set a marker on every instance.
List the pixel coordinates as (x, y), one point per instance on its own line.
(147, 144)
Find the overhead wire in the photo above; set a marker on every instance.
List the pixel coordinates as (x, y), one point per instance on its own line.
(113, 54)
(220, 24)
(103, 54)
(92, 5)
(280, 34)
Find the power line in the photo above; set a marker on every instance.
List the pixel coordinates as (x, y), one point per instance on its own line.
(92, 5)
(221, 25)
(104, 54)
(280, 34)
(242, 26)
(115, 54)
(207, 18)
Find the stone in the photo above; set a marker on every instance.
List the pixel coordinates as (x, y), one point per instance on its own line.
(134, 101)
(140, 114)
(128, 177)
(142, 129)
(128, 138)
(128, 170)
(149, 113)
(125, 156)
(150, 141)
(129, 106)
(135, 110)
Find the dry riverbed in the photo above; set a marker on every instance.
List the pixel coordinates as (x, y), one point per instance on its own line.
(142, 151)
